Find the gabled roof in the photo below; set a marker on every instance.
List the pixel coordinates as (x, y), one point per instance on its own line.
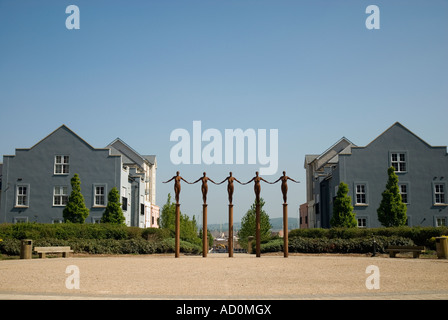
(398, 124)
(331, 154)
(129, 155)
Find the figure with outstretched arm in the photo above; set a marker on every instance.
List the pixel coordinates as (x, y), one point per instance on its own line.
(230, 186)
(284, 179)
(204, 187)
(257, 186)
(177, 179)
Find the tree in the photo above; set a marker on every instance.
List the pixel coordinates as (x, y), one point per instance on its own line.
(113, 213)
(248, 225)
(343, 215)
(188, 228)
(75, 210)
(392, 210)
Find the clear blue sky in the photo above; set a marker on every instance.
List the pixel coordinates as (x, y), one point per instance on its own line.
(140, 69)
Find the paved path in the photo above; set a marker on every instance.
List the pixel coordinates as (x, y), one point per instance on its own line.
(219, 277)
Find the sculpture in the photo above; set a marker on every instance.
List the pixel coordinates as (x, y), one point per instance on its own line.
(230, 186)
(204, 187)
(284, 187)
(177, 179)
(257, 186)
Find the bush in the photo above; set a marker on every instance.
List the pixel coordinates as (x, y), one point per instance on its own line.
(419, 235)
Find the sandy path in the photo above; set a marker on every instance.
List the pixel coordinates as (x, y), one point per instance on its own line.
(220, 277)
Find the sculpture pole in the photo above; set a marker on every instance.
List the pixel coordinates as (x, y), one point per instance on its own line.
(257, 230)
(177, 241)
(204, 189)
(257, 190)
(230, 244)
(204, 231)
(177, 178)
(230, 179)
(284, 187)
(285, 230)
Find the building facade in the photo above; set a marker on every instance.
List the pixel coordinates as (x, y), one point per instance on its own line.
(36, 181)
(422, 171)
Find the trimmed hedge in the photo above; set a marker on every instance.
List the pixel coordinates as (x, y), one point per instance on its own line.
(326, 245)
(92, 238)
(105, 246)
(421, 236)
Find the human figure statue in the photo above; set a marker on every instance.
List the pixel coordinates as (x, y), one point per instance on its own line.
(177, 179)
(204, 187)
(257, 186)
(284, 179)
(230, 187)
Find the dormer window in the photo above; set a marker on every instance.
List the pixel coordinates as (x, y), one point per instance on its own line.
(61, 165)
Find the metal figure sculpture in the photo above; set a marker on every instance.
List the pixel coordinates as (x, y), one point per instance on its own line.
(230, 179)
(177, 178)
(257, 189)
(204, 186)
(284, 178)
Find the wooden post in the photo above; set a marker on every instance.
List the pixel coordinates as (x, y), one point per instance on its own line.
(230, 242)
(285, 230)
(177, 240)
(204, 231)
(257, 230)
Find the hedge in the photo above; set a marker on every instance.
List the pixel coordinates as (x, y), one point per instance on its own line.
(421, 236)
(66, 231)
(92, 238)
(335, 245)
(105, 246)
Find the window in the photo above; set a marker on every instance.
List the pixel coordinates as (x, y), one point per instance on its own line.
(61, 164)
(99, 196)
(22, 199)
(60, 196)
(398, 161)
(362, 222)
(361, 194)
(439, 193)
(441, 222)
(20, 219)
(404, 192)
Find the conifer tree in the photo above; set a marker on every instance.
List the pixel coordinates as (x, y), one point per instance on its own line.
(75, 211)
(113, 213)
(248, 225)
(392, 210)
(343, 215)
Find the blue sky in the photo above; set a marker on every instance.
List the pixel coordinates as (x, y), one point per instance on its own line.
(140, 69)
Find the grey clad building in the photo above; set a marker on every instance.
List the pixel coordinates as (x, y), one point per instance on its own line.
(35, 183)
(422, 171)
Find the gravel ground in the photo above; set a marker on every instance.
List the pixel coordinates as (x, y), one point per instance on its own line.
(219, 277)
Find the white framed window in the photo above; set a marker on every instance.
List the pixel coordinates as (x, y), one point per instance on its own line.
(398, 161)
(61, 164)
(361, 193)
(99, 195)
(22, 195)
(20, 219)
(60, 195)
(439, 193)
(441, 222)
(404, 192)
(362, 222)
